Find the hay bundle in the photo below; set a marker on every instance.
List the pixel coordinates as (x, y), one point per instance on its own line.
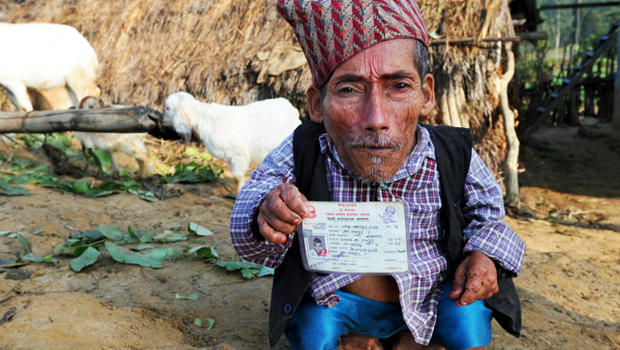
(238, 51)
(468, 76)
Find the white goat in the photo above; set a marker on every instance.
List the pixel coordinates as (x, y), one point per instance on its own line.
(239, 135)
(45, 56)
(131, 144)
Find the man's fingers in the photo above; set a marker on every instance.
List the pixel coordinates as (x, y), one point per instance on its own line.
(280, 213)
(458, 285)
(468, 297)
(269, 233)
(294, 200)
(278, 210)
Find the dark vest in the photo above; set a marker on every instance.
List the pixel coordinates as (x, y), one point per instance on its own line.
(453, 153)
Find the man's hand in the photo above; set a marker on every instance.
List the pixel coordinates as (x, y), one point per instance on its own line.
(475, 279)
(281, 212)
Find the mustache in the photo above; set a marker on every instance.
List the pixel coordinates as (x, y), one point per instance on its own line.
(374, 141)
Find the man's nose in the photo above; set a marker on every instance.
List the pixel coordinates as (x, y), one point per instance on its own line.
(377, 117)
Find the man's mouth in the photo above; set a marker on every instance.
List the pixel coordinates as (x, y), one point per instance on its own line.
(374, 143)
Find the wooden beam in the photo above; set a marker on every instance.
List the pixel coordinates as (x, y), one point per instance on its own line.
(574, 6)
(113, 119)
(472, 40)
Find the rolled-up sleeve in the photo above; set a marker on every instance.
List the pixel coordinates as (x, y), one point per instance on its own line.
(486, 232)
(277, 168)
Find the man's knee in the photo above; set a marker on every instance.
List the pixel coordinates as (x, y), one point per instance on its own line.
(311, 329)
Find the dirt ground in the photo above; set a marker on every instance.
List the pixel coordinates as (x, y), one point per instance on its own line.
(569, 285)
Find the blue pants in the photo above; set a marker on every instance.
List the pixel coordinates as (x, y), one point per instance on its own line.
(318, 327)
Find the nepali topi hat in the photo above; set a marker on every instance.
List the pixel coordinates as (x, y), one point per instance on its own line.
(332, 31)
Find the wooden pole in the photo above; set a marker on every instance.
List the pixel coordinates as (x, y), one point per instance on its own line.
(511, 174)
(113, 119)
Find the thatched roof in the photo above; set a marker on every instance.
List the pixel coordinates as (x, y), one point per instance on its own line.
(238, 51)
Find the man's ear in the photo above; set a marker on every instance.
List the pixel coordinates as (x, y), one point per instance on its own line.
(428, 87)
(315, 107)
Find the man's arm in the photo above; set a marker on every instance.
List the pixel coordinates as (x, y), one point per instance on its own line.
(488, 240)
(262, 220)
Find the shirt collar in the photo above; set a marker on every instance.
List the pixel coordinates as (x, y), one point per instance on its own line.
(423, 149)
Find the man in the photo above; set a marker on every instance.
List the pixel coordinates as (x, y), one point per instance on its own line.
(370, 85)
(318, 248)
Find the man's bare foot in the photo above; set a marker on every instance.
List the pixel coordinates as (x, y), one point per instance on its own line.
(354, 341)
(404, 341)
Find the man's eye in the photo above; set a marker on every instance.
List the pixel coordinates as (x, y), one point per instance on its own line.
(401, 85)
(345, 90)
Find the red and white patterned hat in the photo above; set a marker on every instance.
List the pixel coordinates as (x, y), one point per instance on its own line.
(332, 31)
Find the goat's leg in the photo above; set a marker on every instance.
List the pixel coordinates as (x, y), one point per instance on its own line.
(238, 167)
(17, 94)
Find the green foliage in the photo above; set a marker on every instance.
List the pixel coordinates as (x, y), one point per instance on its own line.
(209, 254)
(198, 230)
(124, 255)
(210, 322)
(8, 189)
(247, 269)
(103, 159)
(193, 173)
(85, 247)
(25, 242)
(594, 21)
(87, 258)
(192, 297)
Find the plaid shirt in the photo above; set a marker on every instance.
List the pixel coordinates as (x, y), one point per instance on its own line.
(417, 183)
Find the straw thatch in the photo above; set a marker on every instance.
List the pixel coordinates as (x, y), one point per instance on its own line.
(238, 51)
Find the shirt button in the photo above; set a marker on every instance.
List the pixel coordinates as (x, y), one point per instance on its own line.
(287, 309)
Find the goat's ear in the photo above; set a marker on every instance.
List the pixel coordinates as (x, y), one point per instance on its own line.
(315, 106)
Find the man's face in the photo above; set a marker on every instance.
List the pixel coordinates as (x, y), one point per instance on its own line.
(371, 106)
(318, 247)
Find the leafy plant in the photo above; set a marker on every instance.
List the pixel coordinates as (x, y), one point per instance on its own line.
(247, 269)
(193, 173)
(8, 189)
(198, 230)
(86, 247)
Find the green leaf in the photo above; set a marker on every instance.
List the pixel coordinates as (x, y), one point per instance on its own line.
(141, 235)
(193, 173)
(104, 160)
(140, 247)
(198, 230)
(11, 190)
(88, 257)
(44, 259)
(161, 254)
(265, 271)
(144, 195)
(81, 187)
(25, 242)
(192, 297)
(210, 322)
(205, 252)
(111, 232)
(247, 269)
(61, 141)
(124, 255)
(169, 236)
(3, 233)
